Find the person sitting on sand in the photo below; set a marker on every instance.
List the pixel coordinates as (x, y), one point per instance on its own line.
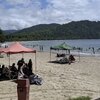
(13, 68)
(5, 72)
(71, 58)
(13, 71)
(60, 55)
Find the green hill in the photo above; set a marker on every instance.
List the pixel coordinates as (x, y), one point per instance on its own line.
(73, 30)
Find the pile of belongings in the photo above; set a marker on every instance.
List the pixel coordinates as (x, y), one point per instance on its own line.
(60, 55)
(35, 79)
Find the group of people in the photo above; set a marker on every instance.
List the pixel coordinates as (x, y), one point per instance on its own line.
(65, 60)
(22, 70)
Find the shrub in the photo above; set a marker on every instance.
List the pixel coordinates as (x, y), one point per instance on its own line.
(81, 98)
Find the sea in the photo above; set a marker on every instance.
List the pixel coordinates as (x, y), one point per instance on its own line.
(87, 45)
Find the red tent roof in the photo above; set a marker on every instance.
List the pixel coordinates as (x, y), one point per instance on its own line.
(1, 50)
(18, 48)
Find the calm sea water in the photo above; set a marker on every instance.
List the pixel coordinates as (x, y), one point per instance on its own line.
(85, 44)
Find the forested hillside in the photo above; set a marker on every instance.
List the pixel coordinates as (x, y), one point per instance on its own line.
(73, 30)
(2, 37)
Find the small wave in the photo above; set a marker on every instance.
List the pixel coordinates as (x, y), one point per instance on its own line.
(85, 54)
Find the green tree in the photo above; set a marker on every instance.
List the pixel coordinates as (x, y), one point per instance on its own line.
(2, 37)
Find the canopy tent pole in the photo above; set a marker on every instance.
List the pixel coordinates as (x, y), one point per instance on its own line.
(35, 64)
(69, 51)
(79, 55)
(50, 54)
(66, 52)
(9, 58)
(22, 55)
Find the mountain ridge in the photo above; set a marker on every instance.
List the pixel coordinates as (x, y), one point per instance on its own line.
(74, 30)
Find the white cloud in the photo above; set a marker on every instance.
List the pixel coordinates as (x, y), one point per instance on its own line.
(17, 14)
(22, 2)
(76, 9)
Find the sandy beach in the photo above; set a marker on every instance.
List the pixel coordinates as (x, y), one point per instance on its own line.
(60, 82)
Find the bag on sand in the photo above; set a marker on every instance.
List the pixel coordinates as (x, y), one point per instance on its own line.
(35, 79)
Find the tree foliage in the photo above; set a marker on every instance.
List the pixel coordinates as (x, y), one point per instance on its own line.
(2, 37)
(73, 30)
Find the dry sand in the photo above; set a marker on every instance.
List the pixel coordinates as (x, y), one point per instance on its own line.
(60, 82)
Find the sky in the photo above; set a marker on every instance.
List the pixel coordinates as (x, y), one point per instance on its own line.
(19, 14)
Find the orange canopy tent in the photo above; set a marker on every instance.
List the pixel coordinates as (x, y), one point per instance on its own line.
(18, 48)
(1, 50)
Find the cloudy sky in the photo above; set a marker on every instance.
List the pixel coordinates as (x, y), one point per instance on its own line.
(18, 14)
